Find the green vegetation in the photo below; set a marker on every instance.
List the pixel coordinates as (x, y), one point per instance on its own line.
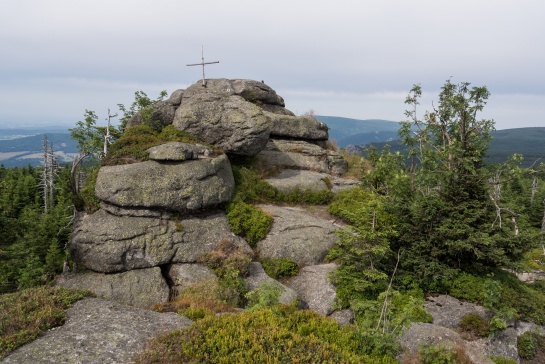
(527, 345)
(32, 241)
(280, 334)
(502, 360)
(442, 354)
(474, 324)
(278, 268)
(132, 145)
(248, 221)
(26, 314)
(266, 294)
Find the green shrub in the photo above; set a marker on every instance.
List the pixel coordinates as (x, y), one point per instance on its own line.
(279, 334)
(280, 267)
(497, 324)
(502, 360)
(475, 324)
(195, 313)
(89, 202)
(26, 314)
(265, 295)
(527, 345)
(468, 287)
(443, 354)
(248, 221)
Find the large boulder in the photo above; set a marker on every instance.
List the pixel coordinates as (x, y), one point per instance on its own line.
(448, 311)
(182, 276)
(313, 285)
(176, 151)
(258, 277)
(228, 122)
(298, 235)
(298, 127)
(190, 185)
(107, 243)
(139, 287)
(98, 332)
(300, 154)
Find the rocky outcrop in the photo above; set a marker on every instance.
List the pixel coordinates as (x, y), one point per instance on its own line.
(228, 122)
(139, 287)
(190, 185)
(178, 152)
(303, 155)
(297, 127)
(108, 243)
(297, 235)
(257, 277)
(98, 332)
(316, 291)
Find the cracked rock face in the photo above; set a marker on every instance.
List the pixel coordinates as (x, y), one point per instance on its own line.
(107, 243)
(175, 186)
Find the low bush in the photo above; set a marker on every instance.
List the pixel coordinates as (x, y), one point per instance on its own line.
(280, 267)
(443, 354)
(26, 314)
(248, 221)
(527, 345)
(502, 360)
(474, 324)
(279, 334)
(265, 295)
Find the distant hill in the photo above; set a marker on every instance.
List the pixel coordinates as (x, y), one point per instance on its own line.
(530, 142)
(347, 131)
(18, 148)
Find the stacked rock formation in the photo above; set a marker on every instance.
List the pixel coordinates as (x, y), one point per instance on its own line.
(157, 217)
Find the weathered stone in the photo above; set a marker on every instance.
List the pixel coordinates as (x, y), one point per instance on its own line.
(340, 184)
(190, 185)
(291, 180)
(107, 243)
(258, 276)
(175, 151)
(420, 334)
(182, 276)
(343, 317)
(134, 212)
(314, 287)
(228, 122)
(175, 98)
(299, 154)
(297, 235)
(298, 127)
(447, 311)
(275, 109)
(162, 114)
(98, 332)
(139, 287)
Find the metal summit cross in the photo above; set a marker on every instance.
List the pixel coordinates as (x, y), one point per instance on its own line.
(202, 64)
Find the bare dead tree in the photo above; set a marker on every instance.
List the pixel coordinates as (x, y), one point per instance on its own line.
(108, 136)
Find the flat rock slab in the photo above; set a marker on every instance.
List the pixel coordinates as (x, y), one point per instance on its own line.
(175, 186)
(290, 180)
(98, 332)
(420, 334)
(313, 285)
(448, 311)
(139, 287)
(298, 235)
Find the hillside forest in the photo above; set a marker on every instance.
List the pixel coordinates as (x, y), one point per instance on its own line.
(436, 219)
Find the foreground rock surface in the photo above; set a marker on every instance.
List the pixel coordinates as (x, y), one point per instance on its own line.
(258, 276)
(107, 243)
(139, 287)
(98, 332)
(316, 291)
(298, 235)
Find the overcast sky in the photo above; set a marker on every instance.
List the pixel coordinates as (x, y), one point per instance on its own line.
(355, 59)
